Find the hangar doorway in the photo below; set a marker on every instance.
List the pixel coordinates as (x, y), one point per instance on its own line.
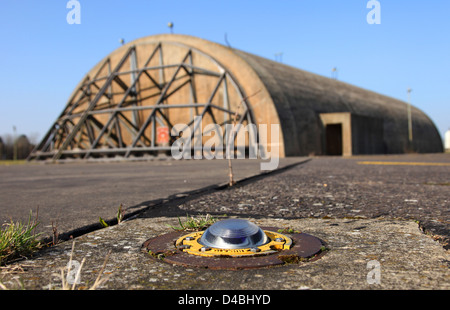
(333, 138)
(337, 134)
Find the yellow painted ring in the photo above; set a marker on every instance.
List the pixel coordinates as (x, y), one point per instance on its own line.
(189, 244)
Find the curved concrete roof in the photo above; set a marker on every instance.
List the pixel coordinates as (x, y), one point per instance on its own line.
(294, 98)
(300, 96)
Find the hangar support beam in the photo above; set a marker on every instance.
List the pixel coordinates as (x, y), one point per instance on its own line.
(118, 112)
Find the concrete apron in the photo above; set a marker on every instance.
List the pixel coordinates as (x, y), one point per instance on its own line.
(363, 254)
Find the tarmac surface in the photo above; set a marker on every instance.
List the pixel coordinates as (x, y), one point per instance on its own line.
(383, 220)
(71, 197)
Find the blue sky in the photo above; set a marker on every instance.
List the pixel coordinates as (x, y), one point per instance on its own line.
(42, 57)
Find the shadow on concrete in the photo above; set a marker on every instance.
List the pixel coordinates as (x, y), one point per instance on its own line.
(168, 207)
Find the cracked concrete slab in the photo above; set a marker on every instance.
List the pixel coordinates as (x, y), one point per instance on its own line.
(407, 258)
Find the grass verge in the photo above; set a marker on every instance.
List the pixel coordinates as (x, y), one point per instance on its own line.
(12, 162)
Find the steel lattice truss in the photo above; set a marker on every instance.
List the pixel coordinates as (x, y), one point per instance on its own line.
(118, 107)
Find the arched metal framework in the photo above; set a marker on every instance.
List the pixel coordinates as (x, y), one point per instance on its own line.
(121, 105)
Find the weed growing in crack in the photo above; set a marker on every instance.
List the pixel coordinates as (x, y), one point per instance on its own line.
(194, 223)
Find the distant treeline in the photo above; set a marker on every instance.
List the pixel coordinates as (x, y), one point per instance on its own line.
(17, 149)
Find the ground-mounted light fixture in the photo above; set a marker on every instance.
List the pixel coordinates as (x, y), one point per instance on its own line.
(234, 244)
(233, 237)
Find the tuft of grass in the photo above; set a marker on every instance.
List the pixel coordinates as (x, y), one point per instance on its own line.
(120, 215)
(18, 240)
(103, 222)
(288, 231)
(195, 223)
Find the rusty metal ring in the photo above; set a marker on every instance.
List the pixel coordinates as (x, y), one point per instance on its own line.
(304, 248)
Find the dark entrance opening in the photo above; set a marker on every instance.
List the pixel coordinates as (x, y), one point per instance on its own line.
(334, 139)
